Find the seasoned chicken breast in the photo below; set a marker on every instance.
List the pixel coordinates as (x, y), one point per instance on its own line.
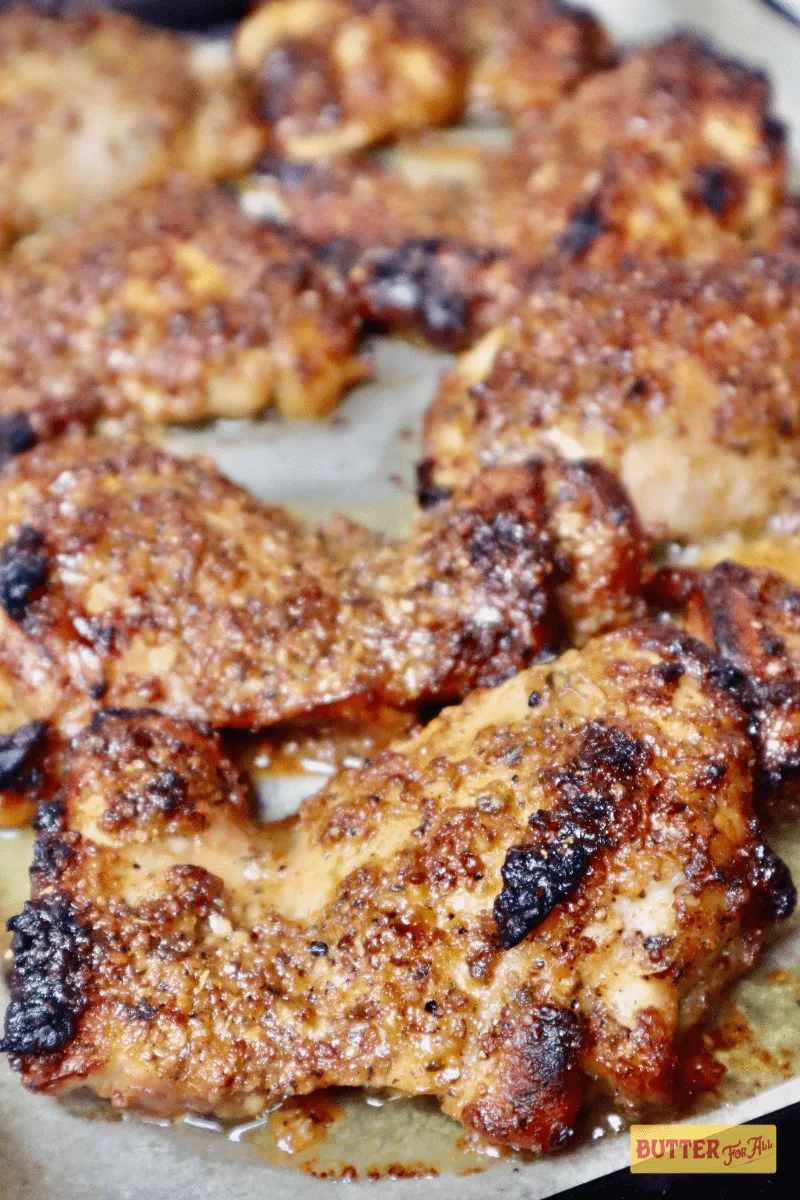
(673, 152)
(132, 577)
(170, 305)
(337, 75)
(684, 380)
(544, 889)
(95, 104)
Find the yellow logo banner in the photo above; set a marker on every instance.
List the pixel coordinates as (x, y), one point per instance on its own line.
(703, 1149)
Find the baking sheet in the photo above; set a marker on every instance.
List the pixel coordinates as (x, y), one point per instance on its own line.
(361, 462)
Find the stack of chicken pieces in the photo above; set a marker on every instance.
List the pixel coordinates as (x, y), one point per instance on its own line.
(543, 886)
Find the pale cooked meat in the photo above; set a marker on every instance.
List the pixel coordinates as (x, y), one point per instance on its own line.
(548, 886)
(94, 104)
(683, 380)
(172, 305)
(338, 75)
(673, 152)
(134, 577)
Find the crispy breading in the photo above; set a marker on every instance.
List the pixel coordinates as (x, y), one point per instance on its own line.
(172, 304)
(673, 152)
(338, 75)
(548, 886)
(94, 104)
(683, 380)
(134, 577)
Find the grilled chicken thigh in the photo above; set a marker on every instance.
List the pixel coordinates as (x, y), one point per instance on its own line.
(169, 304)
(673, 152)
(95, 104)
(336, 75)
(684, 380)
(548, 886)
(132, 577)
(747, 607)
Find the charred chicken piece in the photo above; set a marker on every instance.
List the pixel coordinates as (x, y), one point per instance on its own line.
(338, 75)
(131, 577)
(548, 886)
(674, 152)
(750, 615)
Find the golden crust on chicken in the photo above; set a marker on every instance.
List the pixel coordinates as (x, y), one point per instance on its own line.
(674, 149)
(173, 305)
(95, 104)
(136, 578)
(683, 380)
(675, 152)
(548, 886)
(338, 75)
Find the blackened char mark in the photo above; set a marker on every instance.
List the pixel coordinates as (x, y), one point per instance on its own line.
(585, 226)
(771, 877)
(430, 284)
(52, 854)
(535, 880)
(286, 172)
(587, 817)
(17, 750)
(49, 817)
(429, 492)
(406, 286)
(717, 188)
(16, 436)
(23, 569)
(48, 986)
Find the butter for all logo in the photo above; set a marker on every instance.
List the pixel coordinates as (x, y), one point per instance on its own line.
(703, 1149)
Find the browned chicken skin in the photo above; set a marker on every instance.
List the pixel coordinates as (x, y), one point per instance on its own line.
(136, 578)
(95, 104)
(547, 886)
(683, 380)
(673, 152)
(171, 305)
(336, 75)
